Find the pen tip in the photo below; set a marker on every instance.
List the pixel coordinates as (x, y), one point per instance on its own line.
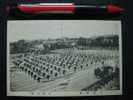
(114, 9)
(7, 8)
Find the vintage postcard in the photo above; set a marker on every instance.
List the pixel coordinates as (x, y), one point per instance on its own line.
(64, 58)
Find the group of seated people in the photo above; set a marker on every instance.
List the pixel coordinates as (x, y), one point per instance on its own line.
(107, 79)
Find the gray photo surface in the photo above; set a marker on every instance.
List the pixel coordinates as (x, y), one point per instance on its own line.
(64, 58)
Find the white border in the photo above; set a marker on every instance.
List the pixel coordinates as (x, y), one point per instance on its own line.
(72, 93)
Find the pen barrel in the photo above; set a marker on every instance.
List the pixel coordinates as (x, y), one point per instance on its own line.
(62, 9)
(66, 8)
(90, 9)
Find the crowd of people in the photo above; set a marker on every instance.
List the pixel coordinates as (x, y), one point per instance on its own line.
(52, 66)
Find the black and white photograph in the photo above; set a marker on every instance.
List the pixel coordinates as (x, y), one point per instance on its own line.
(64, 58)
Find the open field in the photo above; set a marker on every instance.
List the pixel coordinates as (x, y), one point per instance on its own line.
(59, 70)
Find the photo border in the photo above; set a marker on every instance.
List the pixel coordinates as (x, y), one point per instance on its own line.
(72, 93)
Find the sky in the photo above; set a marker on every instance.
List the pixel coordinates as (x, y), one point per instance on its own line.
(44, 29)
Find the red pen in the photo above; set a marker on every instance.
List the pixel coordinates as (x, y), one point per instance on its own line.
(66, 8)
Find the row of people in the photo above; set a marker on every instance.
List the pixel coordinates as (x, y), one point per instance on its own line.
(51, 66)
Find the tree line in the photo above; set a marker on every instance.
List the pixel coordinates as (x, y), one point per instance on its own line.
(23, 46)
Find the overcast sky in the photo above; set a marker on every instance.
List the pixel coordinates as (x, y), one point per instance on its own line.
(44, 29)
